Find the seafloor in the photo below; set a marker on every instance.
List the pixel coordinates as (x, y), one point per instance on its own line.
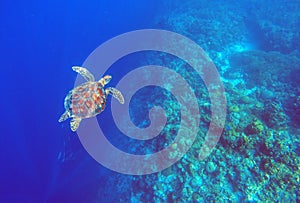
(255, 47)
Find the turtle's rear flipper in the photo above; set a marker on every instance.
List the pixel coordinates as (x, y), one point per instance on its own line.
(75, 123)
(64, 116)
(115, 93)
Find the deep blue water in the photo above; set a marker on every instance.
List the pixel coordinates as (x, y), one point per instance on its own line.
(40, 42)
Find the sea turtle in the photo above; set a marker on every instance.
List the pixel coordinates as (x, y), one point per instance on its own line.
(88, 99)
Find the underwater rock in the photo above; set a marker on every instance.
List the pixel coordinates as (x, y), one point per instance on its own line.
(278, 31)
(205, 24)
(265, 68)
(211, 167)
(197, 197)
(273, 114)
(266, 94)
(249, 165)
(234, 108)
(256, 127)
(247, 100)
(293, 109)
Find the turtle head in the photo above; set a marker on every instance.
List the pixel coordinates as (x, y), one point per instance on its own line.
(105, 80)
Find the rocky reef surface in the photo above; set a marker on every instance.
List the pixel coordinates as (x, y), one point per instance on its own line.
(255, 47)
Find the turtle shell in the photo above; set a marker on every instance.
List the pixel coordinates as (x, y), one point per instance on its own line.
(86, 100)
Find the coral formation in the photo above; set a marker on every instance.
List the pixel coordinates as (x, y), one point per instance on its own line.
(255, 127)
(257, 158)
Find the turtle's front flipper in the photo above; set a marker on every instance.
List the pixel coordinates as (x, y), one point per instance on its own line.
(64, 116)
(75, 123)
(115, 93)
(84, 73)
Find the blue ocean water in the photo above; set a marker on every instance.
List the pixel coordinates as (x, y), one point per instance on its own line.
(255, 46)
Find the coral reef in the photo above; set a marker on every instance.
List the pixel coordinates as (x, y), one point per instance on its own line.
(280, 31)
(274, 115)
(257, 158)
